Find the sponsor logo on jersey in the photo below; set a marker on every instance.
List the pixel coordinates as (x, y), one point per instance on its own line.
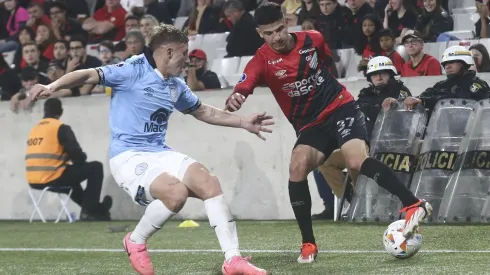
(158, 120)
(149, 91)
(139, 61)
(243, 78)
(281, 74)
(274, 61)
(140, 168)
(306, 51)
(304, 86)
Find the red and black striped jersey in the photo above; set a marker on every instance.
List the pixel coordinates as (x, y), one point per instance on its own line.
(300, 80)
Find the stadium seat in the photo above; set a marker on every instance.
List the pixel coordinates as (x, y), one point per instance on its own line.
(9, 57)
(464, 43)
(343, 63)
(463, 22)
(435, 49)
(243, 63)
(195, 42)
(211, 42)
(63, 203)
(400, 49)
(225, 66)
(455, 5)
(179, 22)
(92, 49)
(294, 29)
(485, 42)
(463, 34)
(351, 71)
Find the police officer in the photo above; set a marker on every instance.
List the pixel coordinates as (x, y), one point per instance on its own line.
(460, 82)
(381, 76)
(54, 158)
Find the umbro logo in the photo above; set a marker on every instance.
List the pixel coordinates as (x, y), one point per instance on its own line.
(149, 91)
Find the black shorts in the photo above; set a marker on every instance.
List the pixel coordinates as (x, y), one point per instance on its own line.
(345, 123)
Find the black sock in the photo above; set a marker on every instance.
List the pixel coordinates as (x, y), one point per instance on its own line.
(299, 195)
(386, 178)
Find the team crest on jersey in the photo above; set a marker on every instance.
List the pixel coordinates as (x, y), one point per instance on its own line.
(281, 74)
(314, 61)
(243, 78)
(475, 87)
(173, 93)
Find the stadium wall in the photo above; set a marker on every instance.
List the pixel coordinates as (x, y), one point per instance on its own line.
(253, 173)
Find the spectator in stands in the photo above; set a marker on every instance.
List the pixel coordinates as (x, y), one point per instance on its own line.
(28, 78)
(79, 60)
(45, 40)
(205, 18)
(199, 78)
(60, 51)
(367, 40)
(61, 150)
(460, 82)
(130, 5)
(160, 10)
(400, 16)
(333, 23)
(131, 23)
(481, 58)
(63, 26)
(37, 16)
(9, 81)
(308, 25)
(291, 9)
(433, 21)
(359, 10)
(243, 39)
(146, 23)
(482, 28)
(31, 55)
(107, 56)
(310, 9)
(387, 43)
(26, 34)
(135, 43)
(420, 63)
(186, 7)
(107, 22)
(74, 9)
(18, 16)
(56, 70)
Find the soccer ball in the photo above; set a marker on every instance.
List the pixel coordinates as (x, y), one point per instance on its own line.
(397, 245)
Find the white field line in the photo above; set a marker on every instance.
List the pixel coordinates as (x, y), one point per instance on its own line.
(219, 251)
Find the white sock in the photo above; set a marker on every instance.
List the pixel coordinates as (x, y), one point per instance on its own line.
(156, 215)
(220, 219)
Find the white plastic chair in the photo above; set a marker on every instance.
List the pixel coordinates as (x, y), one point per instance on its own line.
(243, 63)
(179, 22)
(211, 42)
(63, 203)
(9, 57)
(195, 42)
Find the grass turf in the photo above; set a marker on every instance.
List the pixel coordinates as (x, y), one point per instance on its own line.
(279, 236)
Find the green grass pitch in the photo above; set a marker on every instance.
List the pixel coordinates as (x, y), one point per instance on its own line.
(89, 248)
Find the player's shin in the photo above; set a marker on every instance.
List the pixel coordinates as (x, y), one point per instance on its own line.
(156, 215)
(386, 178)
(299, 195)
(220, 219)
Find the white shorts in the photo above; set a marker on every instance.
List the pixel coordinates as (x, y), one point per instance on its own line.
(135, 171)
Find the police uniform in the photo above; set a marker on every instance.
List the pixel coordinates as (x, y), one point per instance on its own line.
(466, 86)
(54, 158)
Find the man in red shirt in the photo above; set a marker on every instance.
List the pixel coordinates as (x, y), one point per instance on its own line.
(37, 16)
(107, 22)
(323, 113)
(420, 63)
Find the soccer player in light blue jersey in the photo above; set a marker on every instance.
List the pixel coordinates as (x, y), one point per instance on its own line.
(145, 91)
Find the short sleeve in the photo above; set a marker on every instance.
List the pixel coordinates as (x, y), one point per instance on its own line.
(187, 102)
(116, 75)
(252, 76)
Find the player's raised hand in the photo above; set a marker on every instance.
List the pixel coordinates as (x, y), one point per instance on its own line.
(39, 90)
(256, 124)
(410, 102)
(235, 102)
(387, 103)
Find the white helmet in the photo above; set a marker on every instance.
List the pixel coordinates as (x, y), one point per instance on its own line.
(380, 63)
(457, 53)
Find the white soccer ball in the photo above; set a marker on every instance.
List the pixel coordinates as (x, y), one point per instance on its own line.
(397, 245)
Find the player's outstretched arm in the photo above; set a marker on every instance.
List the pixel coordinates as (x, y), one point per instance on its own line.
(254, 124)
(68, 81)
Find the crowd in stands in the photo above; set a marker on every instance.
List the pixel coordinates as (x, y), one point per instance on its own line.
(50, 38)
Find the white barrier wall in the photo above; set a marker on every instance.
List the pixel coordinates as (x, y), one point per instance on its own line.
(253, 173)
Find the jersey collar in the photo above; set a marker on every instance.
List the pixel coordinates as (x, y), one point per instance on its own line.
(149, 56)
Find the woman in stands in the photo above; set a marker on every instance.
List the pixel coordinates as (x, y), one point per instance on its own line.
(205, 18)
(481, 58)
(146, 23)
(433, 21)
(18, 17)
(366, 42)
(9, 81)
(45, 39)
(400, 16)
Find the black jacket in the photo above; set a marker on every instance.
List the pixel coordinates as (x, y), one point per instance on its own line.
(334, 26)
(371, 98)
(355, 20)
(467, 86)
(243, 39)
(431, 25)
(67, 139)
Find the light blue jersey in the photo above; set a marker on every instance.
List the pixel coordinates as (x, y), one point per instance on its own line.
(141, 104)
